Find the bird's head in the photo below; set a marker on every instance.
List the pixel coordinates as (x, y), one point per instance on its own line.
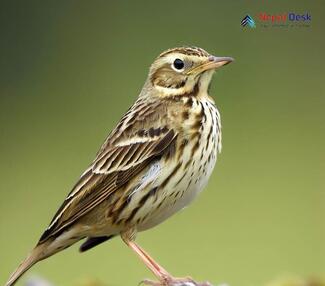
(179, 71)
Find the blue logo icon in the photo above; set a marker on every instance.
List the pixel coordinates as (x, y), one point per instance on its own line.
(248, 21)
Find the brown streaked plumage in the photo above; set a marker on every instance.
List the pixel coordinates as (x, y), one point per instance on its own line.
(159, 156)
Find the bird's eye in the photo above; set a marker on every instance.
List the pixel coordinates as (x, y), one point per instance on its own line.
(178, 64)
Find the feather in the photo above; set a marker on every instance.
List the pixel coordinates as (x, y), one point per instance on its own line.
(93, 241)
(108, 173)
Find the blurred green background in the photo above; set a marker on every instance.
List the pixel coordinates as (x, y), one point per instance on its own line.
(70, 69)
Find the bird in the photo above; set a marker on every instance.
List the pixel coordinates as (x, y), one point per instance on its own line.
(155, 161)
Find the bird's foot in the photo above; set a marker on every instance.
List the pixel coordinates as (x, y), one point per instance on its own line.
(172, 281)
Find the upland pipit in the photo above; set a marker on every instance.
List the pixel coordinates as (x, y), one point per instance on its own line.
(157, 159)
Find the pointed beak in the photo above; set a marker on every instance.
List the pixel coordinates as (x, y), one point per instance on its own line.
(211, 64)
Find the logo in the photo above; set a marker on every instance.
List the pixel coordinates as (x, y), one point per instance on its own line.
(283, 20)
(284, 17)
(248, 21)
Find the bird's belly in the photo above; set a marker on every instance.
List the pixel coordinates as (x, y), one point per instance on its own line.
(195, 179)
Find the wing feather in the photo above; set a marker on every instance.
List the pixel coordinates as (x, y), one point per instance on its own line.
(115, 166)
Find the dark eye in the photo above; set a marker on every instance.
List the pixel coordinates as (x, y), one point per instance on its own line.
(178, 64)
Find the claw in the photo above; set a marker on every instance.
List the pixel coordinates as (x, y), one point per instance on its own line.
(170, 281)
(150, 282)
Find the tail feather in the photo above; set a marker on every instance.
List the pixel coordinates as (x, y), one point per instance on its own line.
(43, 250)
(93, 241)
(36, 255)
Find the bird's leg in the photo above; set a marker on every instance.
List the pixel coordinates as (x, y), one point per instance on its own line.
(155, 268)
(163, 276)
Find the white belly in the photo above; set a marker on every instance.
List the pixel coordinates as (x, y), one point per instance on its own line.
(179, 198)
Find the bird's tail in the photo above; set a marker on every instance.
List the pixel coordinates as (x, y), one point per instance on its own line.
(37, 254)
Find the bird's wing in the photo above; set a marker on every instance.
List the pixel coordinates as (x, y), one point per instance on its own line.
(117, 162)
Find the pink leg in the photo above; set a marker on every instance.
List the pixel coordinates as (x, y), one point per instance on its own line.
(165, 279)
(156, 269)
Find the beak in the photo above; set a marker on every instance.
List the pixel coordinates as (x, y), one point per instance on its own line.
(211, 64)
